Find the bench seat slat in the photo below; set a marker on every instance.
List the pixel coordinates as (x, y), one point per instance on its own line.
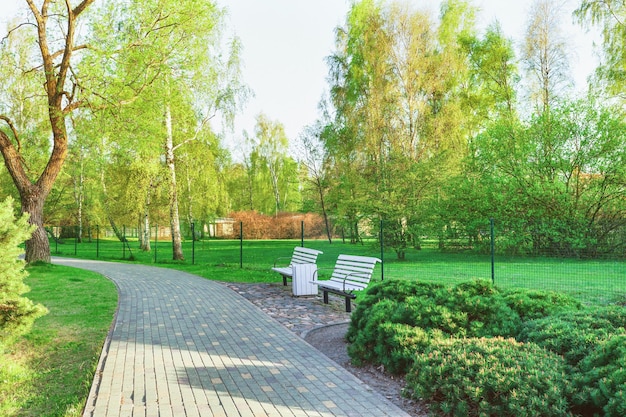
(351, 273)
(300, 256)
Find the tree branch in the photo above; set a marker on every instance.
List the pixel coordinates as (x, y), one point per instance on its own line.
(195, 136)
(12, 127)
(8, 35)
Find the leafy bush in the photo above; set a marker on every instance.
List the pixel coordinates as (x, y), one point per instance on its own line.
(601, 382)
(16, 313)
(485, 311)
(472, 309)
(363, 339)
(281, 226)
(399, 343)
(489, 377)
(533, 304)
(573, 334)
(395, 291)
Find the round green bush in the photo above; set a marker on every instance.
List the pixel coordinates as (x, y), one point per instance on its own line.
(534, 304)
(398, 344)
(489, 377)
(393, 289)
(485, 312)
(472, 309)
(574, 334)
(601, 381)
(363, 336)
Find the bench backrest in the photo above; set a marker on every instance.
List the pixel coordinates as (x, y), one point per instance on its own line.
(354, 270)
(304, 255)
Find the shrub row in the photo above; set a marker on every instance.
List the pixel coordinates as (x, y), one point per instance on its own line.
(473, 350)
(281, 226)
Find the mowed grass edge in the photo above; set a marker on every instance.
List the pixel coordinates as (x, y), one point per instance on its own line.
(49, 371)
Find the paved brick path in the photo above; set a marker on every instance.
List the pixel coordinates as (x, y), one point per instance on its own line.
(182, 345)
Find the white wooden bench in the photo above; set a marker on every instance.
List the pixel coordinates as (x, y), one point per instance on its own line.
(351, 273)
(300, 256)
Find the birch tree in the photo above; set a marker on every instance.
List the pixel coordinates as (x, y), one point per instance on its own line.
(398, 132)
(545, 54)
(610, 17)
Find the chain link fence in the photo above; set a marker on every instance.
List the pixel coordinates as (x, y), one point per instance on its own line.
(446, 255)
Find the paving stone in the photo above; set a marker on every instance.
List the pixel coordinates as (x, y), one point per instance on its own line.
(182, 345)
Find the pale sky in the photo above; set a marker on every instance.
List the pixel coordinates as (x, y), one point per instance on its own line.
(286, 41)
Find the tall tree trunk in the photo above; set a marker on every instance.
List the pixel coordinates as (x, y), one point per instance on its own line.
(274, 178)
(38, 246)
(55, 67)
(145, 233)
(320, 189)
(177, 248)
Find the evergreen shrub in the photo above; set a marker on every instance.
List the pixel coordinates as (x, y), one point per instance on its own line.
(489, 377)
(600, 385)
(574, 334)
(398, 344)
(534, 304)
(17, 313)
(473, 309)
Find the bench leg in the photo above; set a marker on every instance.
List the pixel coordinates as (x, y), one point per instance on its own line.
(325, 297)
(348, 305)
(285, 280)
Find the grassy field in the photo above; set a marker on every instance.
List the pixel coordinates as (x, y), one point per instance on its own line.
(231, 260)
(48, 372)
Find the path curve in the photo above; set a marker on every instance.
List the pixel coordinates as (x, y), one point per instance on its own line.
(182, 345)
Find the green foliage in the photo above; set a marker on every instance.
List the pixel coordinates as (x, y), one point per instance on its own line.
(573, 334)
(608, 16)
(398, 343)
(552, 182)
(601, 383)
(490, 377)
(16, 313)
(534, 304)
(471, 309)
(485, 312)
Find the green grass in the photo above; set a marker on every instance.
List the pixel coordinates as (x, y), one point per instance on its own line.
(48, 371)
(593, 281)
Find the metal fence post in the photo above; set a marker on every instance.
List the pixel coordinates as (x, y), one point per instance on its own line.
(156, 240)
(493, 253)
(302, 233)
(241, 244)
(97, 241)
(382, 252)
(193, 244)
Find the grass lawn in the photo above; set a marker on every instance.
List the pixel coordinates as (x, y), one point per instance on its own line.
(48, 372)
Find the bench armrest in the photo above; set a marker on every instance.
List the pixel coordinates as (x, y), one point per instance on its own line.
(315, 273)
(280, 258)
(355, 274)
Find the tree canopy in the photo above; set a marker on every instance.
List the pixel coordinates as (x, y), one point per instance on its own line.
(431, 125)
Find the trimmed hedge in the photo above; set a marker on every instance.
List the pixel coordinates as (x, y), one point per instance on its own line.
(490, 377)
